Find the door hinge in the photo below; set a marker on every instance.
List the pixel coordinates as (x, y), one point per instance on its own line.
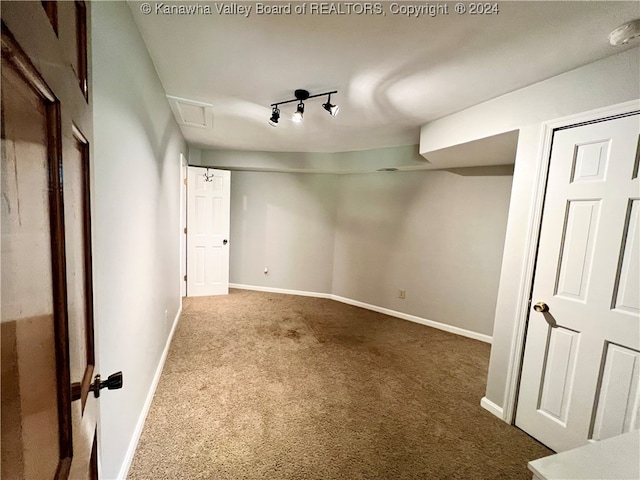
(185, 229)
(185, 278)
(184, 180)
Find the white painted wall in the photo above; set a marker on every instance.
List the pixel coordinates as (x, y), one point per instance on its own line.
(194, 155)
(610, 81)
(286, 222)
(512, 274)
(136, 200)
(437, 235)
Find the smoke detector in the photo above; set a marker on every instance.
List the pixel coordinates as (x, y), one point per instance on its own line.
(625, 33)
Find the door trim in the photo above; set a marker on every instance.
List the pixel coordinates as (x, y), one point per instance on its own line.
(184, 165)
(533, 235)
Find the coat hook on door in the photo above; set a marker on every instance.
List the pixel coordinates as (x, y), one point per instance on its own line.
(208, 177)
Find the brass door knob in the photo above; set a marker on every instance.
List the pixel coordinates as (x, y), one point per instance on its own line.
(541, 307)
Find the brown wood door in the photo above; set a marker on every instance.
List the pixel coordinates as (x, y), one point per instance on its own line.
(49, 414)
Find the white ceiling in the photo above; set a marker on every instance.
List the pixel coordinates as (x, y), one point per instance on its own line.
(393, 73)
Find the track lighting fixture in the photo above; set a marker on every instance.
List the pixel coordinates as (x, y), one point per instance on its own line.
(301, 96)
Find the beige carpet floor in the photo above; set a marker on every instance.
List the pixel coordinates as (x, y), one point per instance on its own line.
(269, 386)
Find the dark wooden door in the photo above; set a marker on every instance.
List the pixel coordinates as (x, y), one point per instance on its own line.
(49, 414)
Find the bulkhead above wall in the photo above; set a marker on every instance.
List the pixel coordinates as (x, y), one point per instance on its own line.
(484, 133)
(499, 151)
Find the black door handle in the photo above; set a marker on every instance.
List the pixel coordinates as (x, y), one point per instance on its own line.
(225, 241)
(113, 382)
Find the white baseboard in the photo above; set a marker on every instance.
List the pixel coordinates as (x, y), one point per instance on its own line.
(374, 308)
(492, 408)
(413, 318)
(302, 293)
(126, 465)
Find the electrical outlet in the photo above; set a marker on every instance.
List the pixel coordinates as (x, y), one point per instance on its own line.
(401, 294)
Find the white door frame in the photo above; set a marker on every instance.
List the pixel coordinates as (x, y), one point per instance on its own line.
(183, 225)
(531, 247)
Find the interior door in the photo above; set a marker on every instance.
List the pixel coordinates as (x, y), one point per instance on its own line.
(49, 413)
(208, 205)
(581, 367)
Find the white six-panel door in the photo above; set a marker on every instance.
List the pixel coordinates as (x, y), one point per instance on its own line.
(581, 365)
(208, 231)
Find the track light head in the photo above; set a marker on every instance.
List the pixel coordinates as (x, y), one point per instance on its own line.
(275, 116)
(297, 116)
(332, 109)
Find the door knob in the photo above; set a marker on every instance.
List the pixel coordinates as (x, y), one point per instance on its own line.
(541, 307)
(113, 382)
(225, 241)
